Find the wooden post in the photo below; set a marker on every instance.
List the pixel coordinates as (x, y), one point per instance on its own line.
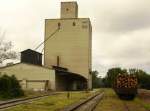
(68, 94)
(58, 61)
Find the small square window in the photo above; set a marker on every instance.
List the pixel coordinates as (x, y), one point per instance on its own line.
(67, 9)
(74, 24)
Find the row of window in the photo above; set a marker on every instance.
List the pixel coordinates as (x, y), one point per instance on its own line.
(74, 24)
(59, 24)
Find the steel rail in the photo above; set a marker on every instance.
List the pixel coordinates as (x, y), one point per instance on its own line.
(12, 103)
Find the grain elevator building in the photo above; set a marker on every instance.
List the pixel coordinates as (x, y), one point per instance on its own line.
(70, 46)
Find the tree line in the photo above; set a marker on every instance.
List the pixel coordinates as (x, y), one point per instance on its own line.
(108, 80)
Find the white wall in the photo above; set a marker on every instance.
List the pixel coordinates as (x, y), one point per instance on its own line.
(31, 72)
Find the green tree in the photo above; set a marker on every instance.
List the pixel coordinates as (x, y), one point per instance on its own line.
(10, 87)
(16, 88)
(96, 80)
(143, 78)
(111, 75)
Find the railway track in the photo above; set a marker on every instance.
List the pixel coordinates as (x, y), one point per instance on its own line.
(12, 103)
(86, 105)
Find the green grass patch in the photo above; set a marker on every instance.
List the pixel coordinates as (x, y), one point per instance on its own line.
(144, 104)
(111, 102)
(52, 103)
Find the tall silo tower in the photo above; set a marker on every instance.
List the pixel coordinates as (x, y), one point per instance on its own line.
(69, 42)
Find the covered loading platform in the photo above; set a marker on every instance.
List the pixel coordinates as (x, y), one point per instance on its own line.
(66, 80)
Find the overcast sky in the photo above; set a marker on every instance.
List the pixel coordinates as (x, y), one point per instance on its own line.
(121, 28)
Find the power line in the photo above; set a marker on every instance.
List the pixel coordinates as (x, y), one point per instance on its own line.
(46, 39)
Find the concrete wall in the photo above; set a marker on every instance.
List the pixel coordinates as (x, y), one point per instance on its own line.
(71, 43)
(31, 76)
(36, 85)
(69, 10)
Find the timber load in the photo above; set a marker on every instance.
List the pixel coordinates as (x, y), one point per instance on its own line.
(125, 86)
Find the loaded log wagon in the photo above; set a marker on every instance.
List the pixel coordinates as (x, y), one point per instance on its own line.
(125, 86)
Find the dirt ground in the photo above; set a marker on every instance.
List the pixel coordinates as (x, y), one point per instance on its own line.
(144, 95)
(111, 102)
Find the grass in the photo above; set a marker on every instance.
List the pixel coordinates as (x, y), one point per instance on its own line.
(51, 103)
(147, 106)
(144, 95)
(27, 93)
(144, 104)
(111, 102)
(31, 93)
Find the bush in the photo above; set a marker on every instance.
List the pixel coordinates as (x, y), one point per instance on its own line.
(10, 87)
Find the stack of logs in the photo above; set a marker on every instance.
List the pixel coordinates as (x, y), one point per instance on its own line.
(126, 81)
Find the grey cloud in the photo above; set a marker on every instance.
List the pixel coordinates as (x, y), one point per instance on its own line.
(123, 18)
